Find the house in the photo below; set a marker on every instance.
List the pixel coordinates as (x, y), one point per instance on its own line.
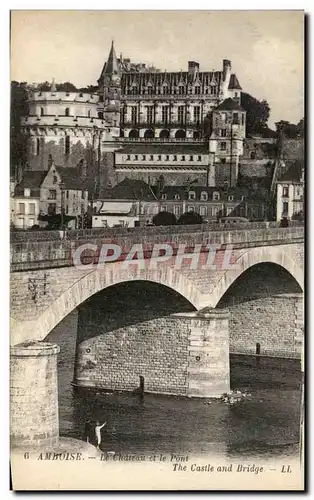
(58, 190)
(290, 192)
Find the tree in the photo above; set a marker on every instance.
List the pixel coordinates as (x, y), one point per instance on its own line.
(257, 114)
(300, 128)
(190, 218)
(18, 141)
(164, 219)
(287, 129)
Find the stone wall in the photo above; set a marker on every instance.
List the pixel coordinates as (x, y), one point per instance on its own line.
(266, 308)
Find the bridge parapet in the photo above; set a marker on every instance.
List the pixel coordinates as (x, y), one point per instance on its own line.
(28, 255)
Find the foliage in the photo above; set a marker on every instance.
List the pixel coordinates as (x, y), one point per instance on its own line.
(290, 130)
(18, 141)
(190, 218)
(257, 114)
(164, 219)
(298, 216)
(56, 221)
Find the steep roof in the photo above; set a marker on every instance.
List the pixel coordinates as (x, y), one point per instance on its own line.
(71, 178)
(229, 104)
(130, 189)
(234, 83)
(32, 180)
(112, 67)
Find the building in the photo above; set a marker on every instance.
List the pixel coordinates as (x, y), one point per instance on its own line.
(131, 203)
(142, 123)
(60, 190)
(290, 192)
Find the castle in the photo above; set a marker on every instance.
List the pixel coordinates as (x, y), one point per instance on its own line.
(142, 123)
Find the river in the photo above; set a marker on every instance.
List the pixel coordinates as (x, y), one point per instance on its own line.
(266, 424)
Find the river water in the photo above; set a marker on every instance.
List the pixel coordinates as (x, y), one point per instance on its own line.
(266, 424)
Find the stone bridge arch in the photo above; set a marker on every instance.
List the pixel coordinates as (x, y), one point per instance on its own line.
(253, 256)
(94, 282)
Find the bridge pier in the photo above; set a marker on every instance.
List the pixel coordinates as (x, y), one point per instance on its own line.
(34, 418)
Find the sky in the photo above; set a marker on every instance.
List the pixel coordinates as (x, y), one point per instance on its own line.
(266, 48)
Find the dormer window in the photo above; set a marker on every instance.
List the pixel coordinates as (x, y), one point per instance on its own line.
(216, 195)
(175, 158)
(213, 90)
(204, 196)
(242, 198)
(230, 198)
(177, 197)
(197, 89)
(163, 196)
(27, 192)
(181, 89)
(192, 195)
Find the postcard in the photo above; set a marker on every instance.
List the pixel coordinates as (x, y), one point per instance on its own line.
(157, 250)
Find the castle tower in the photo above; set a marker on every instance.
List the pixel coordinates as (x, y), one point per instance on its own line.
(63, 126)
(108, 109)
(226, 141)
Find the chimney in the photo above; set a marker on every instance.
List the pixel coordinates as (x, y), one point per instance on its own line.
(50, 161)
(226, 64)
(193, 68)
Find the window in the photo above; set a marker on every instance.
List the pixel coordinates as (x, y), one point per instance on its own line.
(151, 157)
(177, 210)
(209, 209)
(135, 157)
(204, 196)
(163, 196)
(100, 115)
(21, 208)
(213, 90)
(203, 210)
(159, 157)
(285, 191)
(128, 157)
(89, 113)
(230, 198)
(191, 157)
(181, 89)
(31, 209)
(229, 210)
(236, 94)
(37, 146)
(165, 89)
(181, 114)
(196, 113)
(285, 208)
(149, 114)
(199, 158)
(134, 114)
(121, 223)
(252, 155)
(298, 191)
(183, 158)
(223, 146)
(104, 223)
(54, 179)
(27, 192)
(235, 117)
(67, 144)
(216, 195)
(163, 208)
(42, 112)
(175, 158)
(191, 195)
(223, 117)
(67, 111)
(51, 208)
(191, 208)
(222, 160)
(165, 113)
(31, 222)
(167, 157)
(52, 194)
(242, 198)
(149, 90)
(242, 118)
(197, 89)
(223, 132)
(177, 197)
(144, 157)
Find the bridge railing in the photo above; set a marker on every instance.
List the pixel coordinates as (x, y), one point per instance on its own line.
(20, 236)
(49, 254)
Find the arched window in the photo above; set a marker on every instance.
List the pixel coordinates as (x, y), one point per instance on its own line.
(149, 134)
(67, 144)
(192, 195)
(164, 134)
(89, 113)
(37, 146)
(42, 112)
(133, 134)
(216, 195)
(181, 89)
(67, 111)
(180, 134)
(204, 196)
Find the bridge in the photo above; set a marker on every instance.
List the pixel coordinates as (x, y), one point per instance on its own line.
(174, 322)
